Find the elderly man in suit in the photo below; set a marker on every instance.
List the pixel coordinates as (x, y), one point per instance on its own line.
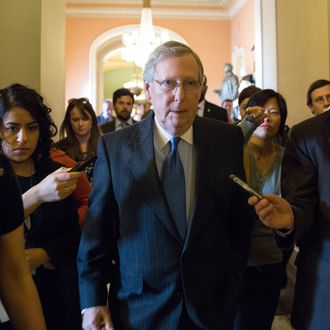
(318, 96)
(166, 227)
(208, 109)
(305, 216)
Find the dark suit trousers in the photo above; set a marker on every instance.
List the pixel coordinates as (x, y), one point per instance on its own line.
(185, 322)
(6, 326)
(259, 298)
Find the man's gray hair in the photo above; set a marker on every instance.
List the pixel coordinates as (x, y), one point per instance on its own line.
(170, 49)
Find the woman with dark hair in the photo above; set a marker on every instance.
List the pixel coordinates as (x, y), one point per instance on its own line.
(51, 221)
(265, 274)
(79, 132)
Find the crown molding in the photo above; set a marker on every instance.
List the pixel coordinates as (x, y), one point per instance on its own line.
(193, 9)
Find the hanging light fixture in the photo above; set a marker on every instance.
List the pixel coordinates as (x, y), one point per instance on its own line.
(139, 43)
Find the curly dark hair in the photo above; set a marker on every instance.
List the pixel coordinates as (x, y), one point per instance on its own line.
(66, 131)
(19, 96)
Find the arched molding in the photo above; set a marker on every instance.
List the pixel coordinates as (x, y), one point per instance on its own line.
(107, 42)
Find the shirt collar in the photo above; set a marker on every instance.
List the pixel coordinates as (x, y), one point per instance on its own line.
(200, 108)
(201, 104)
(124, 123)
(163, 137)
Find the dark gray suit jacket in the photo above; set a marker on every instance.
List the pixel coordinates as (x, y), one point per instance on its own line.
(306, 185)
(110, 126)
(129, 222)
(213, 111)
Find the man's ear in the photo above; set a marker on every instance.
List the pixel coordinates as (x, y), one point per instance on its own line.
(146, 86)
(312, 110)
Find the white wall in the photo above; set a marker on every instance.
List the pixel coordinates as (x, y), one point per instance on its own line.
(265, 44)
(52, 64)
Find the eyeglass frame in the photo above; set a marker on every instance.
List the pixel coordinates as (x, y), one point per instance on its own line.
(178, 84)
(269, 112)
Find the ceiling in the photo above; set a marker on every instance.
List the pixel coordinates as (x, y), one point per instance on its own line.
(194, 9)
(174, 9)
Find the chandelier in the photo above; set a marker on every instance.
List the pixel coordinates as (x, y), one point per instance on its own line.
(139, 43)
(135, 85)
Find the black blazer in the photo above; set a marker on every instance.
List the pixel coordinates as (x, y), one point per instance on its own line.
(306, 185)
(11, 206)
(55, 228)
(213, 111)
(129, 221)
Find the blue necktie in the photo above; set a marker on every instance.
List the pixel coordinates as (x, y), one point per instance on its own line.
(175, 188)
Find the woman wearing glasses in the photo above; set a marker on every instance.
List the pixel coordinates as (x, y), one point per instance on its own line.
(51, 221)
(79, 132)
(265, 274)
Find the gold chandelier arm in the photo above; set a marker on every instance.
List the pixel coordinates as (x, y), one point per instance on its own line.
(146, 3)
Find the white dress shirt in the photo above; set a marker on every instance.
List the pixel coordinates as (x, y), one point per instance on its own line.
(200, 108)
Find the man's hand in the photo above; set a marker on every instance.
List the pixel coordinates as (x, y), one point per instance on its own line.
(97, 318)
(273, 211)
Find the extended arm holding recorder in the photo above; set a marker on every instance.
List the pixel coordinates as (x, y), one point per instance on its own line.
(54, 187)
(274, 211)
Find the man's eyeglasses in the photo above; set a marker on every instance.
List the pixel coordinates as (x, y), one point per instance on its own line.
(169, 85)
(322, 99)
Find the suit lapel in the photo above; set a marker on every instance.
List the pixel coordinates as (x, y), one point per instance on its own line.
(327, 121)
(207, 109)
(143, 166)
(204, 148)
